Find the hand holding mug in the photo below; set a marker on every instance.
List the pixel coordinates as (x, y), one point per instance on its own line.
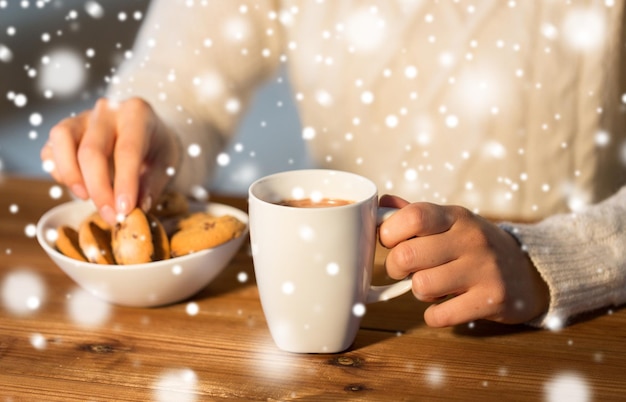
(452, 252)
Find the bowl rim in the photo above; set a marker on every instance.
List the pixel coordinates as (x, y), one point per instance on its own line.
(43, 226)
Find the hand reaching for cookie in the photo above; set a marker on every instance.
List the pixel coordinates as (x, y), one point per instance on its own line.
(452, 252)
(117, 154)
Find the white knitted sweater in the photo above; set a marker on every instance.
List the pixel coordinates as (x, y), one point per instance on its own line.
(512, 109)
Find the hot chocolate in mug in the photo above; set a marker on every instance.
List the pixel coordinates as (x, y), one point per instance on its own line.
(313, 238)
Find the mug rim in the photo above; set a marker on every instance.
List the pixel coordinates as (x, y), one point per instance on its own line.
(372, 191)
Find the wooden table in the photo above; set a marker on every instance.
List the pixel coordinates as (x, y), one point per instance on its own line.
(217, 345)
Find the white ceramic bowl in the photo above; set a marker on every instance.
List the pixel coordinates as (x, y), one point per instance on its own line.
(139, 285)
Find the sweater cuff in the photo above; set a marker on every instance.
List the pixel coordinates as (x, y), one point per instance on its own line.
(572, 262)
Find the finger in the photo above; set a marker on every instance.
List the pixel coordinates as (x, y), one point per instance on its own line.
(417, 219)
(470, 306)
(452, 278)
(392, 201)
(420, 253)
(94, 152)
(135, 125)
(61, 150)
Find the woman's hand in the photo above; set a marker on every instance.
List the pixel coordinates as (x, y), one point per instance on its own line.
(118, 154)
(452, 252)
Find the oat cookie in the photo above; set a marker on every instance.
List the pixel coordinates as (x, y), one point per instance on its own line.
(67, 243)
(195, 219)
(201, 231)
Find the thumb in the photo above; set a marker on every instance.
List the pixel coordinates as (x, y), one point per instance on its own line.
(392, 201)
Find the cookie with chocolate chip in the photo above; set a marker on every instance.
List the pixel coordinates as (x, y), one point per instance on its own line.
(94, 238)
(139, 238)
(202, 231)
(67, 243)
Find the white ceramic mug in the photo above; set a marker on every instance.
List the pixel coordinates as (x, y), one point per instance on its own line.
(313, 266)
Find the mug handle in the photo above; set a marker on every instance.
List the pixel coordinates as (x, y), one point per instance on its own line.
(386, 292)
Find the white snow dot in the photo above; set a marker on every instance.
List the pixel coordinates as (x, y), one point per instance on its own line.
(223, 159)
(20, 100)
(233, 106)
(176, 385)
(332, 268)
(30, 230)
(568, 386)
(194, 150)
(200, 193)
(38, 341)
(435, 376)
(308, 133)
(55, 192)
(367, 97)
(324, 98)
(554, 323)
(410, 175)
(242, 277)
(306, 233)
(62, 72)
(86, 309)
(47, 165)
(583, 28)
(358, 309)
(288, 288)
(6, 55)
(94, 9)
(602, 138)
(452, 121)
(410, 72)
(192, 308)
(35, 119)
(21, 291)
(495, 150)
(391, 121)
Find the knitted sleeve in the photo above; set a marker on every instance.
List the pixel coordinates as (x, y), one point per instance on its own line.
(581, 256)
(197, 64)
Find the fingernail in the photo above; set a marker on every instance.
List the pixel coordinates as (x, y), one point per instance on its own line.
(108, 214)
(79, 191)
(123, 204)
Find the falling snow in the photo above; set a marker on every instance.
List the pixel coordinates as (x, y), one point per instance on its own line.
(570, 387)
(176, 385)
(64, 72)
(22, 292)
(87, 310)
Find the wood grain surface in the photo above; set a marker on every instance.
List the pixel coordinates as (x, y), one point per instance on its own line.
(58, 343)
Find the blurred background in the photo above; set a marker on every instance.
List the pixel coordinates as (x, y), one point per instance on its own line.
(56, 57)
